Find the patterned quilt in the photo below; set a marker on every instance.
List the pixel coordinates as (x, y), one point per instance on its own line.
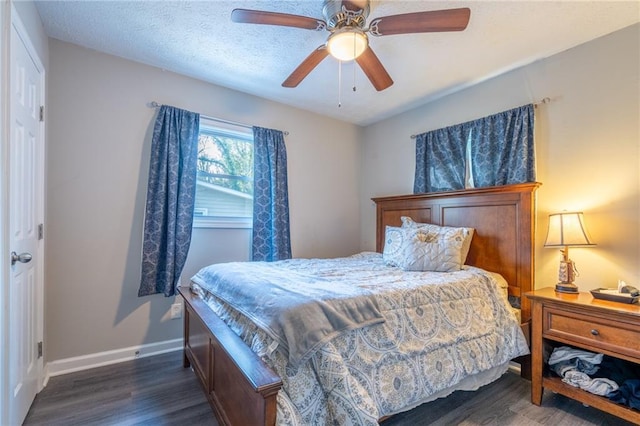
(440, 329)
(300, 317)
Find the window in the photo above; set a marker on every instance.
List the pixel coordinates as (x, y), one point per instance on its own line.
(224, 187)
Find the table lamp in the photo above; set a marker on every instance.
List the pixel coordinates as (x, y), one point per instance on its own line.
(566, 230)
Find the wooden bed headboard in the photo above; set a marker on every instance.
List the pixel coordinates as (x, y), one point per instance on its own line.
(503, 218)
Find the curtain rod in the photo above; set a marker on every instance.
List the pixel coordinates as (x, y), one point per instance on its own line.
(535, 105)
(154, 104)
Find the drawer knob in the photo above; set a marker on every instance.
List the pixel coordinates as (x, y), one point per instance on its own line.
(595, 332)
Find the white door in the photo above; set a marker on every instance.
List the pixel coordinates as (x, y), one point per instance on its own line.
(26, 150)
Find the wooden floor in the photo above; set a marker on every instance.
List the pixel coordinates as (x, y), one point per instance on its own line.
(158, 391)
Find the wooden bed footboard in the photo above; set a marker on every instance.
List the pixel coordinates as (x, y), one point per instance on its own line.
(240, 387)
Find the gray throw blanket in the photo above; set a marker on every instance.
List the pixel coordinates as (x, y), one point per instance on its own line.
(300, 311)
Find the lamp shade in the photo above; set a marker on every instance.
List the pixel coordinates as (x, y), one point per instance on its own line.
(347, 44)
(567, 229)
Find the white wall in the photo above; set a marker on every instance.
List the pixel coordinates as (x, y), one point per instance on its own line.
(99, 143)
(31, 20)
(587, 141)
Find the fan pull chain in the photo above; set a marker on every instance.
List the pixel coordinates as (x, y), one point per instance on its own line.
(354, 62)
(354, 76)
(339, 84)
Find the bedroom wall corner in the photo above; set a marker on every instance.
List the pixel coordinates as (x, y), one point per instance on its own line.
(30, 17)
(588, 150)
(100, 137)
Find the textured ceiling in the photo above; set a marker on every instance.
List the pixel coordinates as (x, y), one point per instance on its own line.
(198, 39)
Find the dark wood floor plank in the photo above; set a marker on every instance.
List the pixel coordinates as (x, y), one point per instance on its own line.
(158, 391)
(155, 390)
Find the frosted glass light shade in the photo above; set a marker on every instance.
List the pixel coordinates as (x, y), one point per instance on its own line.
(347, 44)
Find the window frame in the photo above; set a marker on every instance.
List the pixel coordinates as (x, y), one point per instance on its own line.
(224, 222)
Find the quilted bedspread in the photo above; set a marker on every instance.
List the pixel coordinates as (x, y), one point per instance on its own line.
(440, 329)
(300, 317)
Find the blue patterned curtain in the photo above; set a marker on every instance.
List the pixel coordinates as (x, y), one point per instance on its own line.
(502, 151)
(500, 146)
(170, 200)
(271, 240)
(440, 160)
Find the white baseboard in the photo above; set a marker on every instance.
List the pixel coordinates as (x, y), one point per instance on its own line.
(85, 362)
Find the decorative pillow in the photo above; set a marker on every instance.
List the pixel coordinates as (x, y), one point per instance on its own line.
(407, 222)
(393, 243)
(428, 250)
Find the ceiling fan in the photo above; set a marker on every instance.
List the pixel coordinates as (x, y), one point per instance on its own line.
(346, 21)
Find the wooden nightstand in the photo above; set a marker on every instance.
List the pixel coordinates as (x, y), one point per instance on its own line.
(581, 321)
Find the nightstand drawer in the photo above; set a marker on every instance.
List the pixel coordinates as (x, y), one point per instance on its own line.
(599, 333)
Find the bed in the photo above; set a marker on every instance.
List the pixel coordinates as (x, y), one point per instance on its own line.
(243, 387)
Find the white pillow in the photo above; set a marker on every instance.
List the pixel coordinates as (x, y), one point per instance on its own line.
(393, 244)
(429, 250)
(407, 222)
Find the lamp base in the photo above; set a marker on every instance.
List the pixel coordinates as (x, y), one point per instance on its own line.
(566, 288)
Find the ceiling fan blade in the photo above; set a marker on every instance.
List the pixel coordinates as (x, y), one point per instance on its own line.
(273, 18)
(306, 66)
(374, 70)
(421, 22)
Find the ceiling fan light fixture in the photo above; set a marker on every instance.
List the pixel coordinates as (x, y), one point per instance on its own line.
(348, 41)
(346, 44)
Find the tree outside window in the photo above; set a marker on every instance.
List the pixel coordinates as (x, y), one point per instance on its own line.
(224, 191)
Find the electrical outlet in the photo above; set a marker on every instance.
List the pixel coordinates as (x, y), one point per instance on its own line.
(176, 311)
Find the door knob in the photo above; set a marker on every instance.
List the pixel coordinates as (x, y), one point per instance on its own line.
(22, 258)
